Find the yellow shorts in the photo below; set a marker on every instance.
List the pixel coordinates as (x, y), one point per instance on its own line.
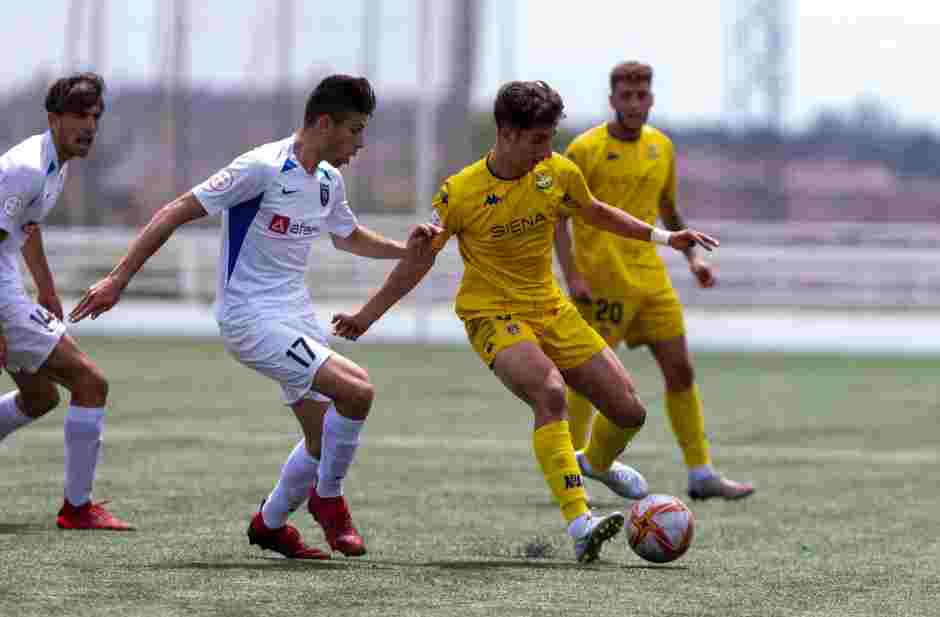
(638, 316)
(562, 334)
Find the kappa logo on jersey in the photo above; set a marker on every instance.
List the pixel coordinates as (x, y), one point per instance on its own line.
(221, 181)
(12, 205)
(492, 199)
(543, 182)
(279, 224)
(324, 194)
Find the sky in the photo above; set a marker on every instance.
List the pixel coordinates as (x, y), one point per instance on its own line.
(843, 51)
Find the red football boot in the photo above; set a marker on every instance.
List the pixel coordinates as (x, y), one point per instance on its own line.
(286, 540)
(333, 515)
(89, 516)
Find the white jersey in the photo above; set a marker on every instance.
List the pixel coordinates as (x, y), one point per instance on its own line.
(272, 210)
(31, 181)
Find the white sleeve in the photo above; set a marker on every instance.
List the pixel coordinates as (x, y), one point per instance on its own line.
(342, 220)
(17, 191)
(244, 179)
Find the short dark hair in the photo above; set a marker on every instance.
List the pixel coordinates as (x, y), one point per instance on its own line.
(75, 93)
(524, 104)
(338, 95)
(631, 72)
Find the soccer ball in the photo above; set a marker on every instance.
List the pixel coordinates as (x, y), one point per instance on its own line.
(661, 528)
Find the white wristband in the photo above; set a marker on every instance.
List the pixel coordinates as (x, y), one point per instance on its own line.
(660, 236)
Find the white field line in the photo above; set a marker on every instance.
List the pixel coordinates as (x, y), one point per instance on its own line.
(898, 457)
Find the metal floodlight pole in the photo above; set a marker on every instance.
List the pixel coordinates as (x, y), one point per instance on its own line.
(425, 140)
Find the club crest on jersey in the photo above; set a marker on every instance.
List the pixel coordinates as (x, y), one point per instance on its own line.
(543, 182)
(512, 329)
(492, 199)
(324, 194)
(221, 181)
(652, 153)
(12, 205)
(279, 224)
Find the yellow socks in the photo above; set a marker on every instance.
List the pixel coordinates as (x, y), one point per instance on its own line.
(607, 442)
(555, 455)
(580, 412)
(685, 414)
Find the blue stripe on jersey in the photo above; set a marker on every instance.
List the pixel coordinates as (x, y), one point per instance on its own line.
(239, 222)
(288, 165)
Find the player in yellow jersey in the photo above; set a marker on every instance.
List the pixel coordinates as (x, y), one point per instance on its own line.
(621, 285)
(503, 211)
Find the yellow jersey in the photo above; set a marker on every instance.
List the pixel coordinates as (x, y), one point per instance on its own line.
(505, 230)
(633, 176)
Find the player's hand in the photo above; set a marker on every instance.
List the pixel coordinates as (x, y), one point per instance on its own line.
(704, 272)
(687, 238)
(350, 326)
(579, 289)
(51, 303)
(421, 241)
(98, 299)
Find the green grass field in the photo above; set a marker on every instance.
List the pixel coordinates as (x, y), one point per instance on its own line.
(456, 517)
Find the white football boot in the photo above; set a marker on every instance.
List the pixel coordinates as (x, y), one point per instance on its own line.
(596, 531)
(621, 479)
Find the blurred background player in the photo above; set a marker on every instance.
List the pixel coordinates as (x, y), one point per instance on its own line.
(34, 345)
(275, 201)
(503, 210)
(621, 285)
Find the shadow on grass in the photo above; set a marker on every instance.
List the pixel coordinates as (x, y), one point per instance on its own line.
(18, 529)
(263, 563)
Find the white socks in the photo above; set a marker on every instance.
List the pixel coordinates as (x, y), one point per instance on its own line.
(83, 428)
(298, 474)
(580, 526)
(11, 418)
(340, 441)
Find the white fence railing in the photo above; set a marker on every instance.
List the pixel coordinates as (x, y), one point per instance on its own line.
(818, 265)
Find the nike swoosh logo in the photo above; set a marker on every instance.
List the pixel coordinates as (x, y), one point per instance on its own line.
(286, 192)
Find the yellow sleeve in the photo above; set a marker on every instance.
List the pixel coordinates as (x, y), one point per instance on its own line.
(443, 216)
(577, 194)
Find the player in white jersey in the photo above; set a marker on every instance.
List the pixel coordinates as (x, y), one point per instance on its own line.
(34, 346)
(275, 201)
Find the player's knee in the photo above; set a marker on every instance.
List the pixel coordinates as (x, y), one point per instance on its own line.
(552, 399)
(362, 397)
(91, 388)
(680, 376)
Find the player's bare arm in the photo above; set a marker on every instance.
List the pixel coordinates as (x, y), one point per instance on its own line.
(34, 255)
(366, 243)
(614, 220)
(401, 280)
(703, 271)
(577, 286)
(104, 294)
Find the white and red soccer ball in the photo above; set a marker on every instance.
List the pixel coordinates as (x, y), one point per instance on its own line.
(660, 528)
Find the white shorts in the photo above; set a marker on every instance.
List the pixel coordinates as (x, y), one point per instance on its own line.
(31, 333)
(289, 351)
